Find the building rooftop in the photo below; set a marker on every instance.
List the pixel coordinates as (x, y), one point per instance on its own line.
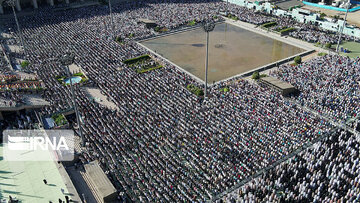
(146, 21)
(24, 180)
(278, 83)
(100, 180)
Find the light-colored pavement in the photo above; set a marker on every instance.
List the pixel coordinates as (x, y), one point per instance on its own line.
(289, 40)
(100, 98)
(74, 68)
(14, 48)
(24, 180)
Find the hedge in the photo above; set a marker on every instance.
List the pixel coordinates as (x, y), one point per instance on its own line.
(164, 29)
(270, 24)
(60, 78)
(263, 75)
(195, 90)
(160, 29)
(83, 79)
(136, 59)
(256, 75)
(233, 17)
(148, 69)
(79, 74)
(286, 30)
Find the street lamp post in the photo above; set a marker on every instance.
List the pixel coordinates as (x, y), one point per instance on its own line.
(111, 20)
(208, 27)
(66, 61)
(11, 3)
(348, 4)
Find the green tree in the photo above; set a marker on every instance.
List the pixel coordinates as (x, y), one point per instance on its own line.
(199, 92)
(328, 45)
(24, 64)
(297, 59)
(255, 75)
(192, 23)
(322, 15)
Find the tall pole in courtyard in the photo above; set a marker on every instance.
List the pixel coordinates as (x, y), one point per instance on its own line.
(11, 3)
(348, 4)
(227, 7)
(208, 27)
(66, 61)
(111, 21)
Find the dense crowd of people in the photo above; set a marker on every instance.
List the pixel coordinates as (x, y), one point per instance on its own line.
(12, 98)
(163, 143)
(304, 31)
(327, 172)
(5, 68)
(26, 120)
(329, 85)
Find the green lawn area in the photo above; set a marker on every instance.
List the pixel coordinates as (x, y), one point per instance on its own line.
(354, 47)
(24, 180)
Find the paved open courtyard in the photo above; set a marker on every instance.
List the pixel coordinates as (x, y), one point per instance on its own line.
(24, 180)
(238, 49)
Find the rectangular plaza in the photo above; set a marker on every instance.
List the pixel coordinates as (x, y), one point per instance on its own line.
(232, 51)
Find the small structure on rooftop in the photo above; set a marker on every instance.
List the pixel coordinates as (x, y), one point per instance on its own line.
(149, 23)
